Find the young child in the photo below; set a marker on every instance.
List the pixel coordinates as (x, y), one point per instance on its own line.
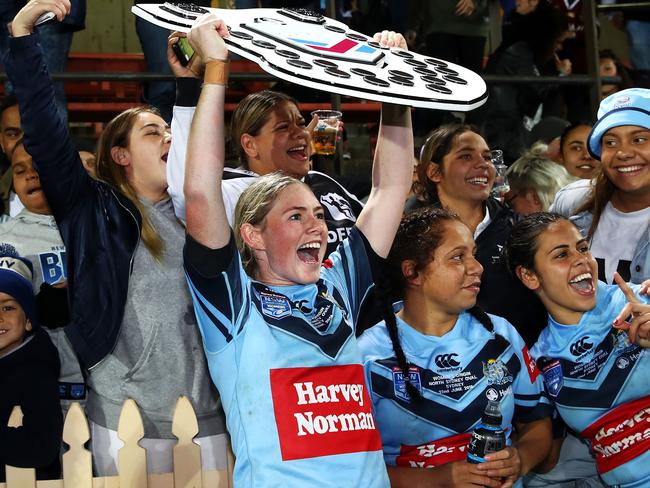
(34, 235)
(30, 369)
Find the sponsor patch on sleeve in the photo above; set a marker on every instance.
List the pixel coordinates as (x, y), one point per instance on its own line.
(533, 372)
(323, 411)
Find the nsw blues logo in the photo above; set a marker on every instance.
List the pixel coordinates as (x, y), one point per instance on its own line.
(553, 377)
(399, 382)
(496, 372)
(275, 306)
(621, 342)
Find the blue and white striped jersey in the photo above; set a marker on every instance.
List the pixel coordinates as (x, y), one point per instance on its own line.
(287, 366)
(600, 384)
(456, 375)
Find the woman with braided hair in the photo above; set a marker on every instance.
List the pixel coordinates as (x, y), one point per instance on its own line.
(432, 367)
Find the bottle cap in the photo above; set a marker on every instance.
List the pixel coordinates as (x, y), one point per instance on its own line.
(492, 414)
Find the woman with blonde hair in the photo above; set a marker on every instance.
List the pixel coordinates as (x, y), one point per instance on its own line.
(131, 322)
(534, 181)
(278, 326)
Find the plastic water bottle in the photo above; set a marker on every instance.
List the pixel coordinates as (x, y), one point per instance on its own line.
(501, 185)
(488, 436)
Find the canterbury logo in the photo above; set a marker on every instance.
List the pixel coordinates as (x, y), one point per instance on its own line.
(446, 360)
(581, 347)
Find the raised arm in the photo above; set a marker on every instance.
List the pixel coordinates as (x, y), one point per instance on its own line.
(46, 135)
(392, 171)
(206, 218)
(188, 88)
(392, 168)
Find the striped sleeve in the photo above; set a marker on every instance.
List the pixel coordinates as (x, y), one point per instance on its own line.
(219, 289)
(531, 403)
(349, 268)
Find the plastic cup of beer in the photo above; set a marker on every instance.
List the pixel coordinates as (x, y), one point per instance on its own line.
(326, 131)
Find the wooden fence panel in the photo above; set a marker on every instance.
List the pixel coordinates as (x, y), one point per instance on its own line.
(19, 477)
(187, 454)
(131, 459)
(77, 461)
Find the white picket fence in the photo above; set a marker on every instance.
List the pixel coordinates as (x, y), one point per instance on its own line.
(77, 462)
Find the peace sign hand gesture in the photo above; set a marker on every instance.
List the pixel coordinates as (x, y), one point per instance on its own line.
(639, 328)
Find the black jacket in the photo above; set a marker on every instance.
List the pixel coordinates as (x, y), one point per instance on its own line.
(501, 293)
(99, 226)
(29, 379)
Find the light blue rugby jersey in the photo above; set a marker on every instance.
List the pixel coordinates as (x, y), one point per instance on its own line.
(456, 375)
(600, 384)
(287, 366)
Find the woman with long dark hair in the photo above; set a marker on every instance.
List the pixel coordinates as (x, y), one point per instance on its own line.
(131, 321)
(594, 362)
(456, 172)
(616, 216)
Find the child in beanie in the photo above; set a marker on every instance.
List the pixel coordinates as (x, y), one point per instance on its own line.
(29, 370)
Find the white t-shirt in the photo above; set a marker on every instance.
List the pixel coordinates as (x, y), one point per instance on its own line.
(569, 198)
(615, 240)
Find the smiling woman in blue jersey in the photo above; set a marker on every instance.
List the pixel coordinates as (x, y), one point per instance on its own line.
(277, 326)
(595, 364)
(457, 358)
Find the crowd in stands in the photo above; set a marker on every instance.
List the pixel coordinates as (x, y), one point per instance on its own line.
(331, 338)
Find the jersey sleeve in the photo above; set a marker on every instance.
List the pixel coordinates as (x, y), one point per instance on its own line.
(350, 267)
(531, 402)
(220, 291)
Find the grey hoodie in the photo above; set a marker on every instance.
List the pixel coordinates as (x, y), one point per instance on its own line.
(158, 355)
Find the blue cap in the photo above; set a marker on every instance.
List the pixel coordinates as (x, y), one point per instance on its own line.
(626, 107)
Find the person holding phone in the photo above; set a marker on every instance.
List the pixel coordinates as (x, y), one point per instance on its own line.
(278, 326)
(131, 323)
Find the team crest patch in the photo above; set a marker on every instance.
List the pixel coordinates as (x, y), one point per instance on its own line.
(621, 342)
(496, 372)
(553, 377)
(399, 382)
(275, 306)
